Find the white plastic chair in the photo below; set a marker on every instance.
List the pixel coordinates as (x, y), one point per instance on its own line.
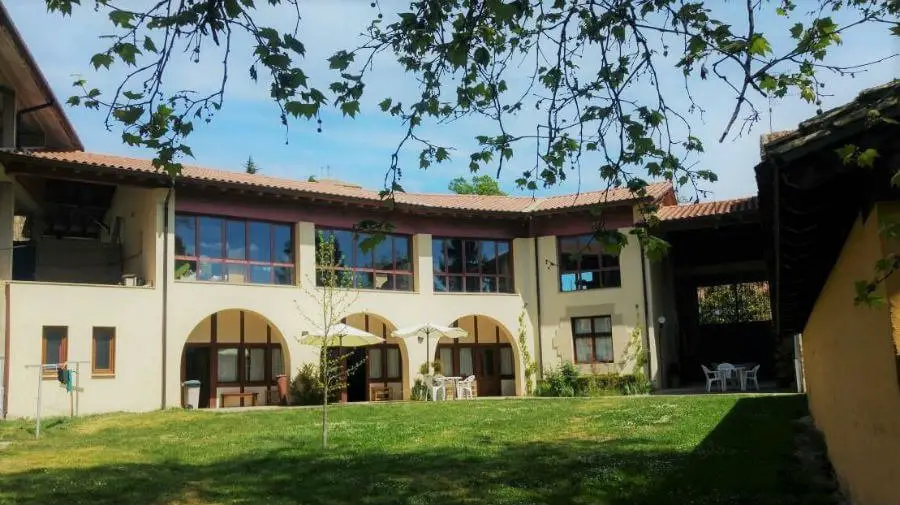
(712, 377)
(728, 374)
(464, 388)
(437, 386)
(750, 376)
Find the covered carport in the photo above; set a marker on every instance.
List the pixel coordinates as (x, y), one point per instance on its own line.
(714, 280)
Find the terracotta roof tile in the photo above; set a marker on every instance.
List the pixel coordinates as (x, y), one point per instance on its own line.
(715, 208)
(501, 204)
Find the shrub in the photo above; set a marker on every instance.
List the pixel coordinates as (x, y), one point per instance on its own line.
(307, 387)
(419, 391)
(561, 381)
(566, 381)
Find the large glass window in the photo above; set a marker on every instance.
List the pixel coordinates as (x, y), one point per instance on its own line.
(472, 266)
(233, 250)
(583, 264)
(363, 264)
(227, 364)
(593, 339)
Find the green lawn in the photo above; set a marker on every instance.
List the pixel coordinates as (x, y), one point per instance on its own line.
(654, 450)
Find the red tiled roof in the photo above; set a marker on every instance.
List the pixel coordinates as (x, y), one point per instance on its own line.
(715, 208)
(502, 204)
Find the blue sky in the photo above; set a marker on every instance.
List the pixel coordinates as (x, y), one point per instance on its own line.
(358, 150)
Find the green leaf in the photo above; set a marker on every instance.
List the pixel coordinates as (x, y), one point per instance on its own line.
(298, 109)
(797, 30)
(121, 18)
(759, 45)
(350, 108)
(101, 60)
(149, 45)
(294, 45)
(385, 104)
(128, 115)
(127, 51)
(74, 101)
(867, 158)
(340, 61)
(895, 179)
(846, 153)
(441, 154)
(131, 95)
(482, 56)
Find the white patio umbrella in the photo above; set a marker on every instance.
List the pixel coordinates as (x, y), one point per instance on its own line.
(427, 331)
(340, 335)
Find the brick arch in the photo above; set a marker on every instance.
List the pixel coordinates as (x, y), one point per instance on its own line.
(486, 334)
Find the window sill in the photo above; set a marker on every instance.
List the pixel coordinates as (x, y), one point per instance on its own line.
(474, 293)
(253, 284)
(588, 290)
(103, 375)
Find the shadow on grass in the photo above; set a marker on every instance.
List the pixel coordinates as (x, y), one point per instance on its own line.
(747, 458)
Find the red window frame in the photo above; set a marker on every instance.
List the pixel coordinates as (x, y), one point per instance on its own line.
(445, 275)
(385, 377)
(582, 242)
(223, 259)
(592, 336)
(354, 254)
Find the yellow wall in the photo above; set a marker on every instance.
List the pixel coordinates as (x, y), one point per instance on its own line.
(851, 375)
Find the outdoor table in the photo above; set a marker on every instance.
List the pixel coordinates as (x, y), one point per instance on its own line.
(452, 381)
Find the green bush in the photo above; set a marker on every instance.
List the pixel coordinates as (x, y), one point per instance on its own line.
(566, 381)
(307, 387)
(419, 390)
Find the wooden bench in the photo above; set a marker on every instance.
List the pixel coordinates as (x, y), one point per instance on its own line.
(380, 394)
(240, 397)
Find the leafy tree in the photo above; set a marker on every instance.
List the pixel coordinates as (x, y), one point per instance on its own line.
(734, 303)
(595, 70)
(250, 166)
(479, 185)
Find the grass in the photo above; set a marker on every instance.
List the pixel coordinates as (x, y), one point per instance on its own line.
(654, 450)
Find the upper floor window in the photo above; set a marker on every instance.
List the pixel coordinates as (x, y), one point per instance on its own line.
(472, 266)
(387, 264)
(233, 250)
(583, 264)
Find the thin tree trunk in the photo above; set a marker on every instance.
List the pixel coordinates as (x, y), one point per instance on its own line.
(325, 421)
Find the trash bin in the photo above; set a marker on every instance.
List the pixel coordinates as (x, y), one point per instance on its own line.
(191, 394)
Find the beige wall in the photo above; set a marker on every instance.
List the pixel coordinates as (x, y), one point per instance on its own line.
(851, 374)
(136, 312)
(624, 304)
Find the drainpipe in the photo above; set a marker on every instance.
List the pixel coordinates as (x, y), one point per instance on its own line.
(540, 338)
(165, 290)
(647, 316)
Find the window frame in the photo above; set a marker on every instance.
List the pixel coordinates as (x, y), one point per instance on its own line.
(103, 372)
(592, 336)
(325, 230)
(63, 348)
(384, 348)
(445, 275)
(247, 263)
(243, 373)
(561, 270)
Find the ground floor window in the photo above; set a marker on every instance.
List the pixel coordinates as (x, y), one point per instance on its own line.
(103, 359)
(592, 337)
(248, 365)
(491, 364)
(54, 346)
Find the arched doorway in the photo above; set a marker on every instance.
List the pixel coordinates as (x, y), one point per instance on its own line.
(382, 374)
(489, 353)
(237, 356)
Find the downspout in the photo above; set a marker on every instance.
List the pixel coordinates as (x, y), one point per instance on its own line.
(649, 367)
(165, 291)
(537, 287)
